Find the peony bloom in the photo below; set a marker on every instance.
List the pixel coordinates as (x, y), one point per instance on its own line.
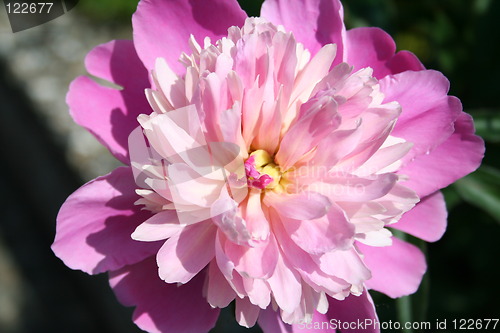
(268, 158)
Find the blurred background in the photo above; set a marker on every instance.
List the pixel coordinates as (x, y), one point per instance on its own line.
(45, 157)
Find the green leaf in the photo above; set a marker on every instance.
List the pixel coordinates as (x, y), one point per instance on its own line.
(482, 189)
(487, 122)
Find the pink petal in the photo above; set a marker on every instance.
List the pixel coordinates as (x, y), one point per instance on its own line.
(292, 205)
(162, 307)
(286, 286)
(313, 22)
(270, 322)
(256, 262)
(321, 235)
(95, 223)
(396, 270)
(246, 312)
(313, 124)
(219, 292)
(427, 220)
(110, 114)
(162, 28)
(458, 156)
(160, 226)
(346, 265)
(428, 112)
(187, 253)
(373, 47)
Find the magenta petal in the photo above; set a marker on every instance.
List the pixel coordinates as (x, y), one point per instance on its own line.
(427, 220)
(428, 112)
(95, 223)
(163, 307)
(162, 28)
(354, 309)
(373, 47)
(396, 270)
(270, 322)
(110, 114)
(458, 156)
(313, 22)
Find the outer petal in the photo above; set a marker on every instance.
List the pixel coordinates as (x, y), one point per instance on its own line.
(373, 47)
(458, 156)
(110, 114)
(95, 223)
(427, 220)
(162, 28)
(313, 22)
(354, 309)
(162, 307)
(428, 112)
(396, 270)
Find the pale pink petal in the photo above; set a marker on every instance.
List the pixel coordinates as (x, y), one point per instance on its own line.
(256, 262)
(246, 312)
(163, 307)
(316, 120)
(95, 223)
(219, 292)
(110, 114)
(396, 270)
(162, 28)
(459, 155)
(257, 223)
(373, 47)
(286, 285)
(292, 205)
(160, 226)
(314, 22)
(321, 235)
(427, 220)
(346, 265)
(258, 291)
(180, 259)
(428, 112)
(340, 187)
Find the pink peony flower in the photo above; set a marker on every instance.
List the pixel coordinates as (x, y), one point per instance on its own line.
(267, 158)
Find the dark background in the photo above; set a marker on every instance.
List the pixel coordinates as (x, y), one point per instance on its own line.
(39, 294)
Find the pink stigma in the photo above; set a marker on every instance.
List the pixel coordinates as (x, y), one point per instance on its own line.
(255, 178)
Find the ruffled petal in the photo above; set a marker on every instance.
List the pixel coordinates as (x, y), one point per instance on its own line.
(313, 22)
(396, 270)
(163, 307)
(110, 114)
(162, 28)
(427, 220)
(373, 47)
(95, 223)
